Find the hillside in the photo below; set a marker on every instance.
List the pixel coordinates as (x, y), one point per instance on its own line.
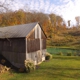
(69, 38)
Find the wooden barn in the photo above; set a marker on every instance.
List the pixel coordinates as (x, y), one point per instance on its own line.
(23, 42)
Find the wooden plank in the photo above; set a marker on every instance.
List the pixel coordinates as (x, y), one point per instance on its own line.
(43, 43)
(14, 45)
(33, 45)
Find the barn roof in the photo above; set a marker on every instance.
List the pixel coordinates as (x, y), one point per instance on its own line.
(17, 30)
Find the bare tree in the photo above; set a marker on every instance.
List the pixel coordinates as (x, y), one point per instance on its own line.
(69, 23)
(78, 20)
(5, 4)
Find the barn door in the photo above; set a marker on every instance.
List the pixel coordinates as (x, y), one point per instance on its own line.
(39, 57)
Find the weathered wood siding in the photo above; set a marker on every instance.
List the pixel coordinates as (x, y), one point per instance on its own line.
(14, 50)
(14, 45)
(43, 35)
(31, 35)
(36, 45)
(43, 43)
(36, 39)
(37, 56)
(33, 45)
(1, 45)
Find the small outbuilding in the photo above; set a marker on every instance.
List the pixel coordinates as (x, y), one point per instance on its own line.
(23, 42)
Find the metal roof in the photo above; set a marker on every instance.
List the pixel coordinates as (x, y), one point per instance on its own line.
(17, 30)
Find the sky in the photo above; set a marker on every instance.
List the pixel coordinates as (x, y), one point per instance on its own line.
(67, 9)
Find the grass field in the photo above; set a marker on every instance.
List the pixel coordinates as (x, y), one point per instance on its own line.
(59, 68)
(65, 50)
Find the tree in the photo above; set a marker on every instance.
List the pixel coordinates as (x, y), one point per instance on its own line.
(5, 5)
(13, 18)
(77, 20)
(69, 23)
(59, 21)
(53, 19)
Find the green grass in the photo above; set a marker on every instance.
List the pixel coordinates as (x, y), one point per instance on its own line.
(65, 50)
(59, 68)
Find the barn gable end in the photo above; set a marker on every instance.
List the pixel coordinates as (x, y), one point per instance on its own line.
(36, 46)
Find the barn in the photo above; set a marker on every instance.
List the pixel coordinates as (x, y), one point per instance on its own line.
(23, 42)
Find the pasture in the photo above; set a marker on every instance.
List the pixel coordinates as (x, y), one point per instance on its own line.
(65, 50)
(58, 68)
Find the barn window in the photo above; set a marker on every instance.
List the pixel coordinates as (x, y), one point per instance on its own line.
(33, 45)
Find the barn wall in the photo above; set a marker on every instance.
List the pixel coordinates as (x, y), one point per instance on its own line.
(14, 50)
(33, 45)
(36, 40)
(43, 43)
(37, 56)
(36, 46)
(14, 45)
(31, 35)
(1, 44)
(43, 35)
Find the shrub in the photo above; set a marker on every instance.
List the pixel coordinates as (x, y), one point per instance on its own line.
(3, 69)
(69, 54)
(75, 54)
(48, 56)
(6, 68)
(78, 54)
(29, 64)
(60, 53)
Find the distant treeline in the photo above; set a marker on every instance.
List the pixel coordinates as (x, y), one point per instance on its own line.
(49, 22)
(52, 24)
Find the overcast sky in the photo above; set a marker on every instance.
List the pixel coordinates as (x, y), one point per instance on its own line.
(68, 9)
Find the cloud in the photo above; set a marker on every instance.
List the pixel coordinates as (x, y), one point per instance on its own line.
(68, 10)
(12, 4)
(65, 1)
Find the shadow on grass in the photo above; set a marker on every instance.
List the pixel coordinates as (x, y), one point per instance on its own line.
(65, 68)
(9, 65)
(67, 57)
(63, 73)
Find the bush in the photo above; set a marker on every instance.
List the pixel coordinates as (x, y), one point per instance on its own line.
(69, 54)
(60, 53)
(48, 56)
(78, 54)
(75, 54)
(3, 69)
(29, 64)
